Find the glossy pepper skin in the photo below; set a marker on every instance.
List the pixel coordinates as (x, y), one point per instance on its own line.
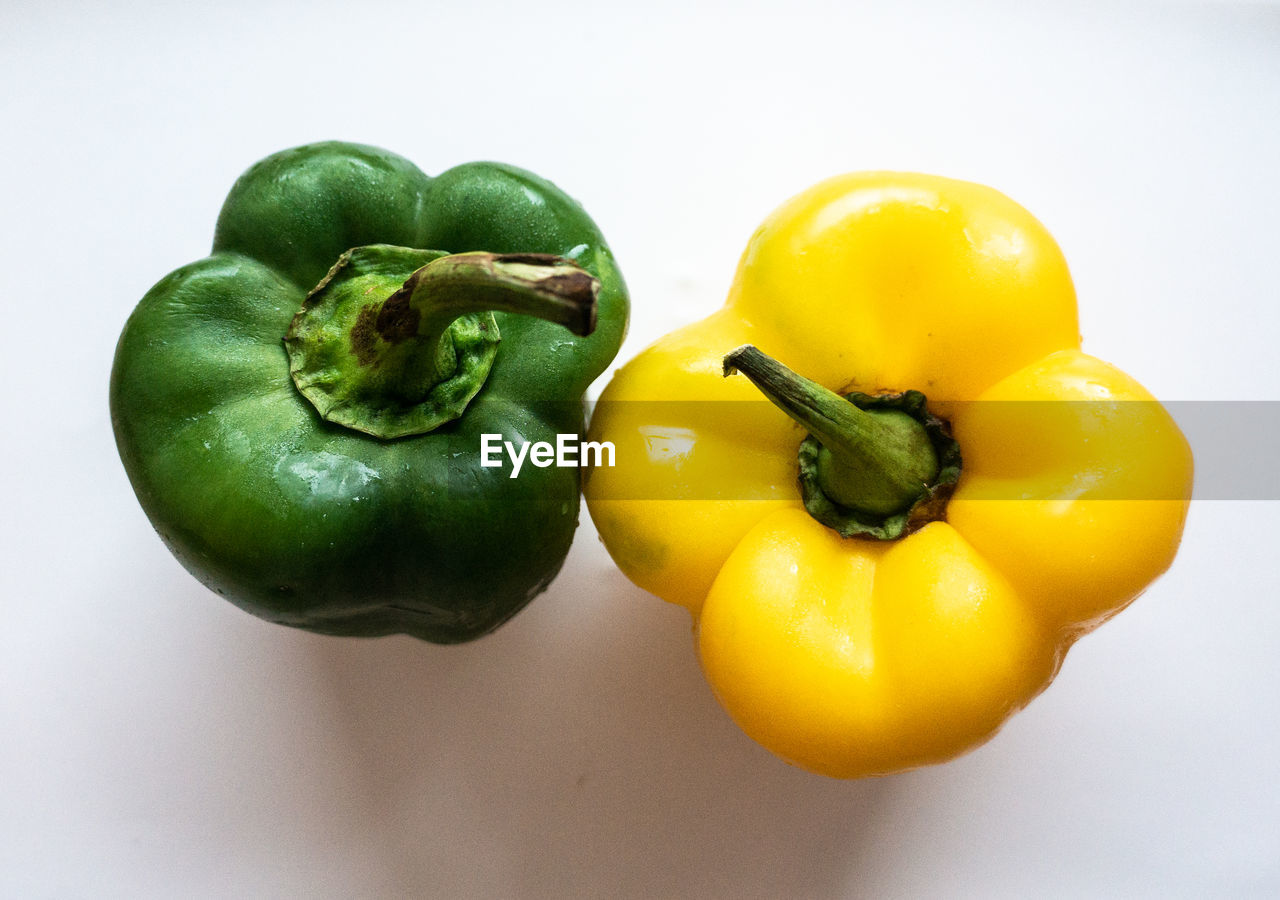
(316, 525)
(852, 657)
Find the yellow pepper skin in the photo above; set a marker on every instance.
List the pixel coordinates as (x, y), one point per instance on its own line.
(852, 657)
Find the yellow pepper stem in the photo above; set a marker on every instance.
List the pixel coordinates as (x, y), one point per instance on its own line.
(874, 464)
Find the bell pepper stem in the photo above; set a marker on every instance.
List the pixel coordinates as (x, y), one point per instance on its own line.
(412, 362)
(532, 284)
(880, 462)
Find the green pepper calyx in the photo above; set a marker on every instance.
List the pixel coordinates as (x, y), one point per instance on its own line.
(872, 467)
(395, 341)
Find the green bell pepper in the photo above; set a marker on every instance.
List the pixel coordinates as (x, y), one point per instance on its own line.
(300, 413)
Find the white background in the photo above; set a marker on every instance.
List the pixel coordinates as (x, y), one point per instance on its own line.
(156, 742)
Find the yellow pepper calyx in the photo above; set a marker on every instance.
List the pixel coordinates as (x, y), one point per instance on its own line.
(871, 467)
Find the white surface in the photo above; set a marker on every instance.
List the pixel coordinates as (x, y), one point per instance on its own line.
(155, 742)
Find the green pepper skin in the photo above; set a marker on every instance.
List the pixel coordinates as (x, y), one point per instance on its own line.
(313, 525)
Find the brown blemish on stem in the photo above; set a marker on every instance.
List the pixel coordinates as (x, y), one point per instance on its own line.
(397, 321)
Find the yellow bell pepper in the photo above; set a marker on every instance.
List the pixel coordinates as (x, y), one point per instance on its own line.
(851, 656)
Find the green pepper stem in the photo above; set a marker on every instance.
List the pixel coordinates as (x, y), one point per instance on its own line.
(880, 461)
(412, 362)
(532, 284)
